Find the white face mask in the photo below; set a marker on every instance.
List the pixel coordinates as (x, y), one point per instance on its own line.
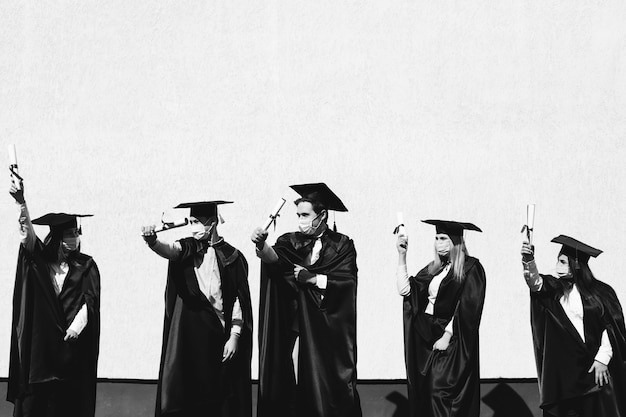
(443, 246)
(200, 231)
(70, 244)
(306, 225)
(562, 271)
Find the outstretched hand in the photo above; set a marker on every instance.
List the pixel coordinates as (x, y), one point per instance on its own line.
(17, 193)
(149, 234)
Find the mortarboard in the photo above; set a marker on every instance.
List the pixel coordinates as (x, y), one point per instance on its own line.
(452, 228)
(203, 208)
(576, 249)
(59, 221)
(320, 193)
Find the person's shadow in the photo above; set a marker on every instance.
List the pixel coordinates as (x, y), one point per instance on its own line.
(502, 399)
(505, 402)
(401, 403)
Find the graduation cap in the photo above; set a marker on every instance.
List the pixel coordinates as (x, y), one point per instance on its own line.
(452, 228)
(576, 249)
(320, 193)
(203, 208)
(60, 221)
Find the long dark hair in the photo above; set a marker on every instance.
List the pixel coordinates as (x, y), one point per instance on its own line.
(585, 282)
(53, 250)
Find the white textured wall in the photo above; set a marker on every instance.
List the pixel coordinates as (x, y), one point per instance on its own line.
(446, 109)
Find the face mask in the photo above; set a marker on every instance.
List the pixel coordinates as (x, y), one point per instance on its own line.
(443, 247)
(200, 231)
(70, 244)
(306, 225)
(562, 271)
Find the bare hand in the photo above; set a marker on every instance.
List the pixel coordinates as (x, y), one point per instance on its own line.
(443, 342)
(402, 244)
(259, 236)
(17, 194)
(230, 348)
(148, 233)
(70, 335)
(303, 275)
(601, 373)
(528, 252)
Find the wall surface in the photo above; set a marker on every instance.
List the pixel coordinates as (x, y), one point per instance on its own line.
(447, 109)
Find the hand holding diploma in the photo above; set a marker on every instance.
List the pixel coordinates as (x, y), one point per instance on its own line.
(149, 234)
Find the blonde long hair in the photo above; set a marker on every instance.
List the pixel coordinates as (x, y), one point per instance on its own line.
(457, 255)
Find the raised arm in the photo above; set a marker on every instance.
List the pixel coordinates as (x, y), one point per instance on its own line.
(169, 251)
(402, 276)
(28, 236)
(263, 251)
(531, 274)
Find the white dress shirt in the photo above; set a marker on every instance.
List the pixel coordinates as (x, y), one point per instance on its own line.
(209, 281)
(572, 304)
(404, 288)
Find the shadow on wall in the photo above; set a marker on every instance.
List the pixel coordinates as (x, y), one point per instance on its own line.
(501, 401)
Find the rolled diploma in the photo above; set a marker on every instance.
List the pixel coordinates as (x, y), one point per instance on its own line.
(13, 163)
(12, 156)
(401, 229)
(530, 221)
(275, 212)
(173, 225)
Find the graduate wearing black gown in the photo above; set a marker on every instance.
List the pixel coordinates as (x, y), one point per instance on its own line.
(578, 334)
(443, 305)
(207, 331)
(308, 298)
(56, 321)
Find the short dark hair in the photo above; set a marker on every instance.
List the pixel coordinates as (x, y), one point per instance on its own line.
(317, 206)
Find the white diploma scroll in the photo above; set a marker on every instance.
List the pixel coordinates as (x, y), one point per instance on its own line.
(172, 225)
(274, 214)
(530, 222)
(15, 176)
(401, 228)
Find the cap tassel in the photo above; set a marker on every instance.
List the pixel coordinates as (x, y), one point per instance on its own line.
(334, 223)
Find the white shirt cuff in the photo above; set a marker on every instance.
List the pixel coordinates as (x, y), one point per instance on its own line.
(448, 328)
(322, 281)
(80, 321)
(605, 351)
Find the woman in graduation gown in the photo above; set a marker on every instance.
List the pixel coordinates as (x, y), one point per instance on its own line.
(578, 334)
(443, 304)
(56, 320)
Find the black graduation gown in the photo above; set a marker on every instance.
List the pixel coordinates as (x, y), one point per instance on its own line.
(444, 383)
(563, 359)
(193, 381)
(41, 362)
(326, 327)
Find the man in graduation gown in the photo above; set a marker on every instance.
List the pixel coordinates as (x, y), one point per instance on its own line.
(56, 320)
(207, 333)
(567, 351)
(308, 300)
